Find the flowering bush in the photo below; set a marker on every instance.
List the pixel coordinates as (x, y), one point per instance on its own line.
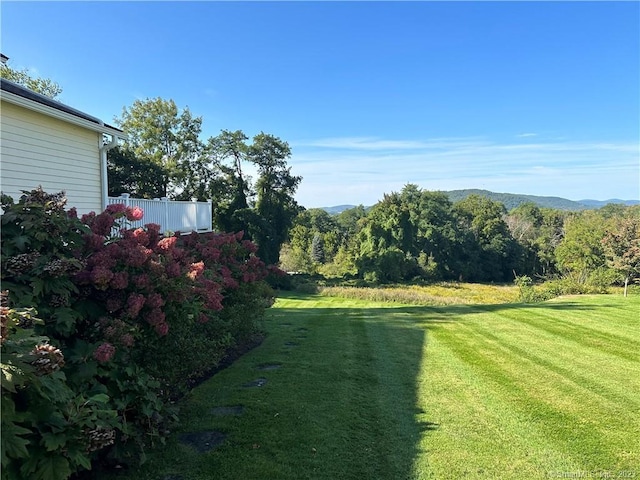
(48, 430)
(138, 314)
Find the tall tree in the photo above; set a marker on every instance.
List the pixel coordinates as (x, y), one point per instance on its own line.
(408, 234)
(580, 253)
(22, 77)
(140, 177)
(159, 132)
(493, 251)
(233, 192)
(317, 249)
(275, 188)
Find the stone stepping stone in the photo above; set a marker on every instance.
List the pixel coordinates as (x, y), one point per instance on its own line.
(259, 382)
(302, 329)
(291, 344)
(203, 442)
(269, 366)
(285, 324)
(224, 411)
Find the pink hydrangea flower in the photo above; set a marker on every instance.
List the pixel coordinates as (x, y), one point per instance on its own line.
(102, 224)
(87, 218)
(93, 241)
(104, 352)
(154, 300)
(173, 270)
(120, 281)
(161, 328)
(116, 208)
(101, 276)
(155, 317)
(134, 214)
(135, 302)
(141, 236)
(142, 281)
(195, 270)
(167, 243)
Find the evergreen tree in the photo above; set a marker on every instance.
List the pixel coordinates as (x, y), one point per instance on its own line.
(317, 249)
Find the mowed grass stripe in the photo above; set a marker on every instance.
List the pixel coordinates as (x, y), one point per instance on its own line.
(571, 414)
(597, 371)
(546, 336)
(478, 432)
(605, 329)
(549, 401)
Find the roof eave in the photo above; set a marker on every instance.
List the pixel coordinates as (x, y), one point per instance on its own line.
(98, 126)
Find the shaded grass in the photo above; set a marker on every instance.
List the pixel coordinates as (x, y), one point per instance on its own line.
(382, 391)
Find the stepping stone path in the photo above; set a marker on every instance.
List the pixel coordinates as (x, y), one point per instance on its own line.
(259, 382)
(206, 441)
(269, 366)
(224, 411)
(203, 442)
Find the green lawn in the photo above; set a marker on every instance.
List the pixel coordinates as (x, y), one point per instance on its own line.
(381, 391)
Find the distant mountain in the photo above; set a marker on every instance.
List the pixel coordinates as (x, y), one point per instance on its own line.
(512, 200)
(602, 203)
(337, 209)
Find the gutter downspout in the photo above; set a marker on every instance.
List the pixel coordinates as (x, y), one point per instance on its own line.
(103, 168)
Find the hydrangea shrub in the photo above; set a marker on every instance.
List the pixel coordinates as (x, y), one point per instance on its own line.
(137, 314)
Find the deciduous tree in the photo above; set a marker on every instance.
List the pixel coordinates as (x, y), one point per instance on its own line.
(275, 188)
(581, 251)
(140, 177)
(493, 250)
(157, 131)
(22, 77)
(622, 246)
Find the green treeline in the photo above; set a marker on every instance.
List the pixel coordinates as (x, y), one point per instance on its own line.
(421, 235)
(413, 235)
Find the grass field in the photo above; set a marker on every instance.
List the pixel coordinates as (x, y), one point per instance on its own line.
(370, 390)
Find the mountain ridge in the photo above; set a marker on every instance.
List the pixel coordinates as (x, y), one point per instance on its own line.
(512, 200)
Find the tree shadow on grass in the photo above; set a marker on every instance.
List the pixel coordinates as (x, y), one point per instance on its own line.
(389, 343)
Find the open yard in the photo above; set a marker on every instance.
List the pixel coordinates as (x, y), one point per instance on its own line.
(351, 389)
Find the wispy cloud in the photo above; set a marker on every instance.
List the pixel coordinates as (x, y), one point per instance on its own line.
(361, 169)
(524, 135)
(372, 143)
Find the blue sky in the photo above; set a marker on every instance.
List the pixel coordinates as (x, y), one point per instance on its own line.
(540, 98)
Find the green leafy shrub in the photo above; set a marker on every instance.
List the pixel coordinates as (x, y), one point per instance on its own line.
(48, 430)
(527, 293)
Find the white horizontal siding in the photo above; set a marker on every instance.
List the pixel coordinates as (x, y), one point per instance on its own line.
(38, 150)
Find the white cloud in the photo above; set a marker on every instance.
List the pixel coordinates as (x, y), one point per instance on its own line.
(361, 169)
(523, 135)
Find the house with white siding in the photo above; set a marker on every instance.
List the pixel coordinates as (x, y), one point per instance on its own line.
(45, 142)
